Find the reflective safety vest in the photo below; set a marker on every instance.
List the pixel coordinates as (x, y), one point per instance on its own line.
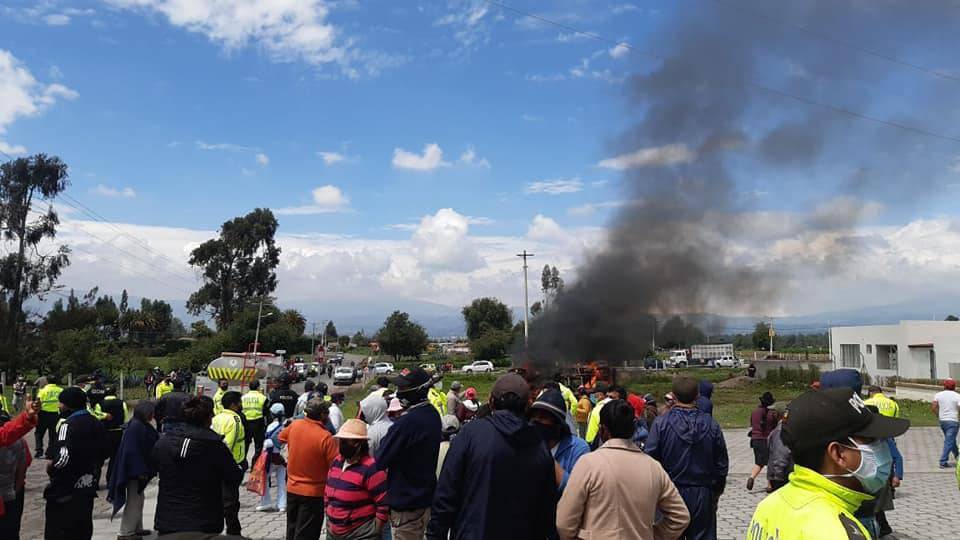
(438, 400)
(126, 413)
(3, 404)
(218, 401)
(229, 426)
(569, 397)
(885, 405)
(809, 506)
(49, 397)
(593, 421)
(96, 411)
(163, 388)
(253, 404)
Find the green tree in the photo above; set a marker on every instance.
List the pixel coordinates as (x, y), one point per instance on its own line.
(761, 336)
(78, 313)
(400, 336)
(238, 266)
(199, 329)
(72, 351)
(295, 319)
(360, 339)
(330, 331)
(343, 341)
(493, 345)
(108, 317)
(484, 315)
(28, 270)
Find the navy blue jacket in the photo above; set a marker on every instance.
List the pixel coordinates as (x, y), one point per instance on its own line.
(690, 446)
(410, 450)
(497, 482)
(842, 378)
(132, 461)
(706, 393)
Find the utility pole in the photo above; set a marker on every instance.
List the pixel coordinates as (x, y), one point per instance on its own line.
(772, 333)
(526, 299)
(313, 341)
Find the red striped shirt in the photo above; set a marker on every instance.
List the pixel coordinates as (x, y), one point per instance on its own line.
(355, 495)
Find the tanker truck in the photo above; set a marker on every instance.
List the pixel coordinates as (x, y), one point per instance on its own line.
(238, 369)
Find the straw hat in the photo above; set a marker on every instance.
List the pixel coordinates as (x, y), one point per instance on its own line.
(352, 429)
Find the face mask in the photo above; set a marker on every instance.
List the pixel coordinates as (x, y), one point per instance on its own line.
(348, 450)
(547, 432)
(875, 465)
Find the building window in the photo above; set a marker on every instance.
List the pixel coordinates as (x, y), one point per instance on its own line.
(887, 357)
(869, 349)
(850, 355)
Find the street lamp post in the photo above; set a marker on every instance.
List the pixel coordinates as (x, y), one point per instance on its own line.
(256, 339)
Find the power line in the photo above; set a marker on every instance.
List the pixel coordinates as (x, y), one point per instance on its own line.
(836, 41)
(777, 92)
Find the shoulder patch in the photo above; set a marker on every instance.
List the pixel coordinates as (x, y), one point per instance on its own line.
(852, 528)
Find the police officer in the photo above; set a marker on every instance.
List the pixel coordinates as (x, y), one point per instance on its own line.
(285, 396)
(222, 388)
(96, 393)
(49, 397)
(255, 408)
(229, 425)
(164, 387)
(115, 414)
(76, 455)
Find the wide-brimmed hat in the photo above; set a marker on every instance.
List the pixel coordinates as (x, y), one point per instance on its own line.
(395, 405)
(353, 429)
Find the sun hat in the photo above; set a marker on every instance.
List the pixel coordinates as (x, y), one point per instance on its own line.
(352, 429)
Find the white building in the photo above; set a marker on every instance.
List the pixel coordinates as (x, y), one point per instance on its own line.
(911, 349)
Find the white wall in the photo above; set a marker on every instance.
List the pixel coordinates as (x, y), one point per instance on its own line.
(912, 363)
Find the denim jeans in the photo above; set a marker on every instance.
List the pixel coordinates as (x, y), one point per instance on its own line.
(949, 429)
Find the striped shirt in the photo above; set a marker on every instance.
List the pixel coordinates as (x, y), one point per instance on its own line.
(355, 494)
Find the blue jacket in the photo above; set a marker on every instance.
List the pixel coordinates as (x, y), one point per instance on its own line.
(410, 450)
(897, 458)
(568, 451)
(706, 392)
(497, 481)
(132, 461)
(842, 378)
(690, 446)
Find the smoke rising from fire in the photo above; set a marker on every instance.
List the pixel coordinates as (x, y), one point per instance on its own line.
(709, 132)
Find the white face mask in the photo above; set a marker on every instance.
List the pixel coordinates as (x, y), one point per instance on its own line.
(875, 465)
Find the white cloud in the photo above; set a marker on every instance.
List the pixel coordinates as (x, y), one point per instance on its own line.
(21, 95)
(619, 50)
(107, 191)
(432, 158)
(469, 157)
(56, 19)
(55, 72)
(331, 158)
(262, 159)
(555, 187)
(669, 154)
(13, 150)
(467, 20)
(591, 208)
(480, 220)
(569, 37)
(530, 118)
(545, 228)
(223, 147)
(624, 8)
(285, 30)
(441, 242)
(327, 199)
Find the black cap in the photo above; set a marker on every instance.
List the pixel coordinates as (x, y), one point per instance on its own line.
(816, 418)
(411, 378)
(510, 383)
(552, 402)
(74, 398)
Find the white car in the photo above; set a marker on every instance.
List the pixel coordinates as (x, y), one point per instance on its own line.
(480, 366)
(344, 375)
(382, 368)
(727, 362)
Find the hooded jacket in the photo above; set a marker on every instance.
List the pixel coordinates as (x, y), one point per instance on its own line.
(780, 464)
(76, 457)
(193, 464)
(690, 445)
(810, 506)
(409, 453)
(704, 402)
(132, 461)
(374, 409)
(497, 482)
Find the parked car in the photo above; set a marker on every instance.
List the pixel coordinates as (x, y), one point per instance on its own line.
(344, 376)
(429, 368)
(480, 366)
(727, 361)
(652, 362)
(382, 368)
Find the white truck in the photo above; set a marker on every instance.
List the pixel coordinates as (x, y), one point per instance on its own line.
(708, 355)
(678, 359)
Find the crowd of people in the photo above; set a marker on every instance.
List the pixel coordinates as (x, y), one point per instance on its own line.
(533, 459)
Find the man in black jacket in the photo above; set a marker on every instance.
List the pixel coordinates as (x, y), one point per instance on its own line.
(76, 456)
(409, 450)
(116, 415)
(170, 407)
(285, 396)
(498, 478)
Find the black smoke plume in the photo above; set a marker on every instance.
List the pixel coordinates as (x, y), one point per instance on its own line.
(712, 121)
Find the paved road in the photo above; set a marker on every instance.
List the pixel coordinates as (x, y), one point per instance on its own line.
(926, 503)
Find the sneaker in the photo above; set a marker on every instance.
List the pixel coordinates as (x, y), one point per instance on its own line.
(143, 532)
(282, 509)
(749, 484)
(266, 508)
(945, 466)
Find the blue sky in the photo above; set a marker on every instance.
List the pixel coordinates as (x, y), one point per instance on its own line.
(411, 148)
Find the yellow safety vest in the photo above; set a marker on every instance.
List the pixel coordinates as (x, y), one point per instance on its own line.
(49, 397)
(569, 397)
(438, 400)
(229, 426)
(163, 388)
(885, 405)
(96, 412)
(218, 401)
(253, 404)
(3, 404)
(810, 506)
(593, 422)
